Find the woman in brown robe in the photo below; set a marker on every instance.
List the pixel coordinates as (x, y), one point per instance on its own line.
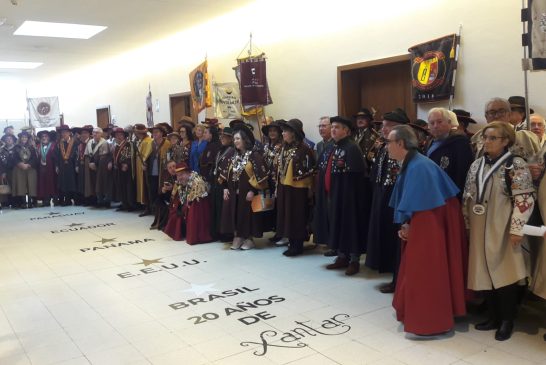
(294, 187)
(245, 176)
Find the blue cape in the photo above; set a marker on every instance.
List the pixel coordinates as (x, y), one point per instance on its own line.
(421, 185)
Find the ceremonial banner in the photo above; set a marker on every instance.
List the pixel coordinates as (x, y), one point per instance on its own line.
(252, 76)
(149, 109)
(535, 39)
(200, 88)
(227, 100)
(44, 112)
(432, 68)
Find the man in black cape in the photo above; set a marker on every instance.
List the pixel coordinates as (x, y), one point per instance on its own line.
(347, 194)
(383, 252)
(66, 166)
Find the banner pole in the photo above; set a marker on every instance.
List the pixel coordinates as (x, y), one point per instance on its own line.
(525, 80)
(450, 105)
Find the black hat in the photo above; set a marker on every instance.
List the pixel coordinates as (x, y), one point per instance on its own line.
(518, 102)
(246, 130)
(8, 127)
(296, 126)
(6, 136)
(63, 127)
(365, 113)
(51, 134)
(463, 117)
(235, 122)
(397, 115)
(227, 131)
(275, 124)
(161, 127)
(24, 134)
(119, 130)
(140, 128)
(420, 125)
(347, 122)
(86, 127)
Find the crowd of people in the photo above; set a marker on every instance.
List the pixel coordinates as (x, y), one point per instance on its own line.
(439, 207)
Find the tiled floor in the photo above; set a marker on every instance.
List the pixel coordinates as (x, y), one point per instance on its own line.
(86, 286)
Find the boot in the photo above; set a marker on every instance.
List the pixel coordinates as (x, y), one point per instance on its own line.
(505, 331)
(354, 268)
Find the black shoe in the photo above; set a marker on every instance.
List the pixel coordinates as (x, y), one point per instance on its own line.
(145, 213)
(387, 288)
(275, 239)
(505, 331)
(490, 324)
(330, 253)
(292, 252)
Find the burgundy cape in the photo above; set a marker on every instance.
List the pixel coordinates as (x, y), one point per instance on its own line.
(431, 286)
(190, 221)
(47, 178)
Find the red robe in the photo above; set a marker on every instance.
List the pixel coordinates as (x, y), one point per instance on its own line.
(431, 281)
(191, 221)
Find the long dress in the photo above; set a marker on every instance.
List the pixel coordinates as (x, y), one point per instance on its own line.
(223, 158)
(66, 164)
(430, 290)
(143, 150)
(47, 178)
(124, 185)
(246, 172)
(189, 212)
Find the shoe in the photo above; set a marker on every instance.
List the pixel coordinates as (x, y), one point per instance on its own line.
(145, 213)
(237, 242)
(282, 242)
(505, 331)
(490, 324)
(387, 288)
(340, 263)
(330, 253)
(154, 226)
(274, 239)
(291, 252)
(248, 244)
(354, 268)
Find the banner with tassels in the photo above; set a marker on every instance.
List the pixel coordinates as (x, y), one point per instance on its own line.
(433, 65)
(200, 87)
(535, 38)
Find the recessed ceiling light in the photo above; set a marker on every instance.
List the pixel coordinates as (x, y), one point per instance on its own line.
(59, 30)
(19, 65)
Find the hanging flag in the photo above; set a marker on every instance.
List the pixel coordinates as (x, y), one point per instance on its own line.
(200, 88)
(227, 100)
(432, 68)
(535, 38)
(44, 112)
(251, 73)
(149, 108)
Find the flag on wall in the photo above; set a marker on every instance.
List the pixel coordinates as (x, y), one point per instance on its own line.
(251, 73)
(200, 88)
(44, 112)
(149, 108)
(535, 38)
(433, 65)
(227, 100)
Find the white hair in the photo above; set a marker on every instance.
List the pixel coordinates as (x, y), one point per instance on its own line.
(443, 112)
(98, 130)
(539, 117)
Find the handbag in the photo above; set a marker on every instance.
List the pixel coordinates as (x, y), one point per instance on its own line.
(263, 201)
(5, 189)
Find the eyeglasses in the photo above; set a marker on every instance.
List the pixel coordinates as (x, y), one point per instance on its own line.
(491, 138)
(496, 113)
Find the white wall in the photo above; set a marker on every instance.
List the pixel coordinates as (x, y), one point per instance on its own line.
(305, 42)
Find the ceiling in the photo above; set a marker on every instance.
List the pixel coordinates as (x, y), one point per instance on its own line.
(131, 24)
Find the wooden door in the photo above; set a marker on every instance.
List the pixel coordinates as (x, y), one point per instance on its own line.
(103, 117)
(382, 84)
(180, 105)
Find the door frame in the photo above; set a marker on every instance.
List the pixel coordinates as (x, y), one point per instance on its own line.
(101, 108)
(361, 65)
(177, 95)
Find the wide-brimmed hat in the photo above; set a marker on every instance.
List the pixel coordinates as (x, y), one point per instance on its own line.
(338, 119)
(86, 127)
(50, 133)
(518, 102)
(161, 128)
(227, 131)
(62, 128)
(420, 125)
(296, 126)
(109, 128)
(246, 130)
(398, 115)
(464, 117)
(275, 124)
(6, 136)
(140, 128)
(234, 122)
(119, 130)
(365, 113)
(24, 134)
(211, 122)
(8, 127)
